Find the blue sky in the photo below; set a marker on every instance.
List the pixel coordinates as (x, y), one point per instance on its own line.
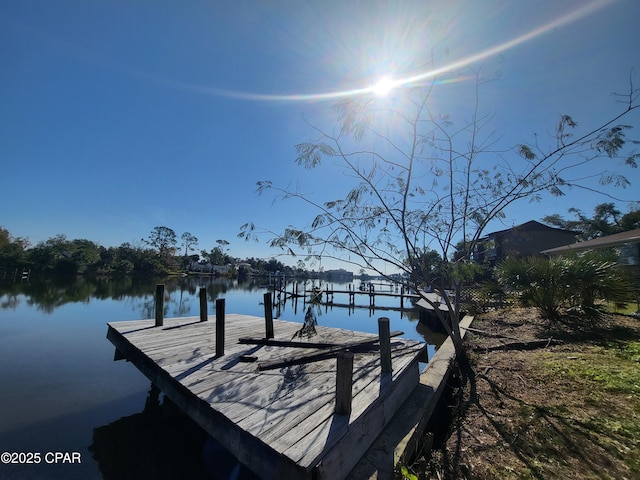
(119, 116)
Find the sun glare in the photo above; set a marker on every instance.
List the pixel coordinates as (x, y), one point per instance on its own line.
(386, 83)
(384, 86)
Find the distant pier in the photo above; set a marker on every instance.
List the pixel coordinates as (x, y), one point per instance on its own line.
(370, 293)
(347, 298)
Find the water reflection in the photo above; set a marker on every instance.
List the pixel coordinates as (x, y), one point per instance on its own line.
(433, 334)
(181, 299)
(47, 294)
(161, 443)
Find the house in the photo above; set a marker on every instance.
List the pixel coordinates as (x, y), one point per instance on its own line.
(528, 239)
(339, 275)
(206, 267)
(625, 244)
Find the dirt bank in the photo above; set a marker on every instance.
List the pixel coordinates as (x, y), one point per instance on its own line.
(541, 400)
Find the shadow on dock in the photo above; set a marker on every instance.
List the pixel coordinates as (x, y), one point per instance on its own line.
(162, 443)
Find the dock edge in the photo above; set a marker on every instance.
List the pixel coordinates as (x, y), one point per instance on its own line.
(400, 439)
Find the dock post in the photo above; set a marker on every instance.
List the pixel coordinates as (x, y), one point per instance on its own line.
(268, 315)
(203, 305)
(220, 327)
(159, 305)
(384, 332)
(344, 382)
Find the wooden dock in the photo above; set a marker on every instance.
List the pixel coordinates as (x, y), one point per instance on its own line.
(281, 416)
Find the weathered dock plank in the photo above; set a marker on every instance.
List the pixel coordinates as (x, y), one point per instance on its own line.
(281, 423)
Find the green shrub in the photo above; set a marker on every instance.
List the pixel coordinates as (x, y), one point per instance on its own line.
(578, 284)
(537, 282)
(596, 278)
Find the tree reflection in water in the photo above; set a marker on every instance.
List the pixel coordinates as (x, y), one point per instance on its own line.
(162, 443)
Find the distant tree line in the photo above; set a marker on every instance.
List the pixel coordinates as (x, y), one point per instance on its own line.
(164, 252)
(159, 254)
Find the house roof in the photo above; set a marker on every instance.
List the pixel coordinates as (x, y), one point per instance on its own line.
(531, 225)
(631, 236)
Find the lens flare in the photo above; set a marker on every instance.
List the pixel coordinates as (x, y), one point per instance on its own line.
(386, 84)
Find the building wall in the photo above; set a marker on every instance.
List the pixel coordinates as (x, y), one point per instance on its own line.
(531, 242)
(528, 239)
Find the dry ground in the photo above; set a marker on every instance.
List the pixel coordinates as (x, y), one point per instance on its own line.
(559, 409)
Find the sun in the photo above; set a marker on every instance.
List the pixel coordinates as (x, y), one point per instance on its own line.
(383, 87)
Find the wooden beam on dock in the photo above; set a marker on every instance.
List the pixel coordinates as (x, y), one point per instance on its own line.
(203, 305)
(385, 344)
(220, 327)
(268, 315)
(344, 382)
(323, 354)
(302, 344)
(159, 305)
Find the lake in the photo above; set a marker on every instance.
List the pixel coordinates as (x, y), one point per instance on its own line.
(71, 412)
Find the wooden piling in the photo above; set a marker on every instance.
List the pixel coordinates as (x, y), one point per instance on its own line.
(268, 315)
(159, 305)
(219, 327)
(384, 332)
(203, 305)
(344, 382)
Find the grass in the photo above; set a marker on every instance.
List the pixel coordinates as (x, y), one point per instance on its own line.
(615, 368)
(628, 309)
(603, 407)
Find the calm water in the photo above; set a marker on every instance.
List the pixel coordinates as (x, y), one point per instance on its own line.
(61, 391)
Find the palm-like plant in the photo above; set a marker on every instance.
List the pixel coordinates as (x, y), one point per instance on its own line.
(596, 280)
(536, 282)
(580, 284)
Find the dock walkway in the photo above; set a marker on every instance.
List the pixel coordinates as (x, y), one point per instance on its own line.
(280, 422)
